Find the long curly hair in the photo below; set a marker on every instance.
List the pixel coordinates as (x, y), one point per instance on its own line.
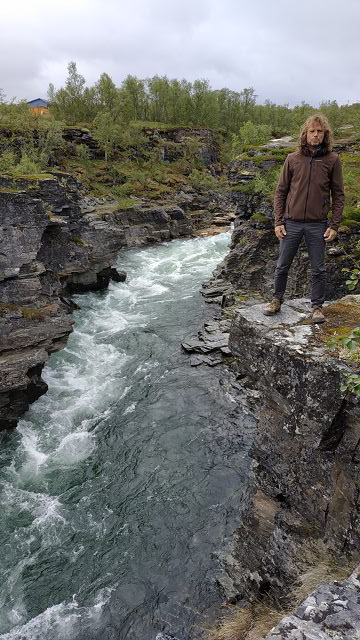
(302, 146)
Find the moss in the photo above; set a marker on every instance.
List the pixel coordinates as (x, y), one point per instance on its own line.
(344, 229)
(160, 126)
(39, 176)
(352, 214)
(259, 217)
(258, 160)
(84, 127)
(352, 224)
(342, 317)
(242, 188)
(280, 152)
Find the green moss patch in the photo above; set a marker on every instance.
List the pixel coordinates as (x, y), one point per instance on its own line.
(259, 217)
(242, 188)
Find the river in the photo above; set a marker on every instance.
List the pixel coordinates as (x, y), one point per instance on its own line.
(124, 481)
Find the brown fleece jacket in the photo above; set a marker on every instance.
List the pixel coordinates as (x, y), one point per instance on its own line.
(304, 189)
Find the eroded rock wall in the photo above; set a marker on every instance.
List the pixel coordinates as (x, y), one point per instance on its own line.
(52, 244)
(304, 505)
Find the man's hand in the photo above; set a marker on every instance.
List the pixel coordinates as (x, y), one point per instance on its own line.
(330, 234)
(280, 231)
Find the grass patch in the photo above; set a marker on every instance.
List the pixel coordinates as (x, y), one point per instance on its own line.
(251, 622)
(160, 126)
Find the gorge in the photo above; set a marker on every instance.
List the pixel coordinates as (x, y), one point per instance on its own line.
(144, 493)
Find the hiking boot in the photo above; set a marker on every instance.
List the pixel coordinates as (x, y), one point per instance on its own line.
(273, 307)
(317, 315)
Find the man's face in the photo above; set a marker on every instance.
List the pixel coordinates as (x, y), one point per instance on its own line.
(315, 134)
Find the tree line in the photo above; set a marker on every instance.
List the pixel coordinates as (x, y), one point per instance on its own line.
(180, 102)
(116, 114)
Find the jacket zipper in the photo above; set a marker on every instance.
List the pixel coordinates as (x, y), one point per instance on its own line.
(308, 188)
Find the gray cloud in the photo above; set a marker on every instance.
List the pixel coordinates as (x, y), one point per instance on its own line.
(288, 51)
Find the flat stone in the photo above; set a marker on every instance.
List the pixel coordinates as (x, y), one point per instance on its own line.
(210, 360)
(226, 351)
(288, 316)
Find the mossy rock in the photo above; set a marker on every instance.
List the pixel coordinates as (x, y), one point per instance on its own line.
(259, 217)
(126, 203)
(35, 177)
(242, 188)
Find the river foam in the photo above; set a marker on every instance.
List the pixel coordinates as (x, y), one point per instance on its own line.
(54, 489)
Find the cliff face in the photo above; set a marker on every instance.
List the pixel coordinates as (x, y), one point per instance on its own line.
(305, 496)
(55, 241)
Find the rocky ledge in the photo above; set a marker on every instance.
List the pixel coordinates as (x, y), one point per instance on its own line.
(303, 507)
(331, 611)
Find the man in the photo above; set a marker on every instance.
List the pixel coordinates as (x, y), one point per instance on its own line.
(301, 206)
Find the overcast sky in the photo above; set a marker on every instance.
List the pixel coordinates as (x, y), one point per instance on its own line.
(288, 50)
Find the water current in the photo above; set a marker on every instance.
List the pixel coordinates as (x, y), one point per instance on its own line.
(124, 481)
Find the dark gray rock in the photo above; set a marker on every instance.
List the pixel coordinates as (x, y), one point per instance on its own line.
(331, 611)
(210, 345)
(304, 498)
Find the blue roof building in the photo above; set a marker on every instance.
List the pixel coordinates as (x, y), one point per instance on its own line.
(38, 102)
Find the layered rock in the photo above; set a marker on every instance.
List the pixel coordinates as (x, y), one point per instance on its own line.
(303, 507)
(55, 241)
(173, 143)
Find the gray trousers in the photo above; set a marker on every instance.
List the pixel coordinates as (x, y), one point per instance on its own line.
(313, 232)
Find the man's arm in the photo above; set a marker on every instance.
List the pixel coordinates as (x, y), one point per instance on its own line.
(281, 193)
(337, 194)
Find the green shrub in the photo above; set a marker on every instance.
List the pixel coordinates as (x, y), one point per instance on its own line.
(352, 214)
(259, 217)
(265, 184)
(7, 162)
(27, 166)
(249, 134)
(200, 180)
